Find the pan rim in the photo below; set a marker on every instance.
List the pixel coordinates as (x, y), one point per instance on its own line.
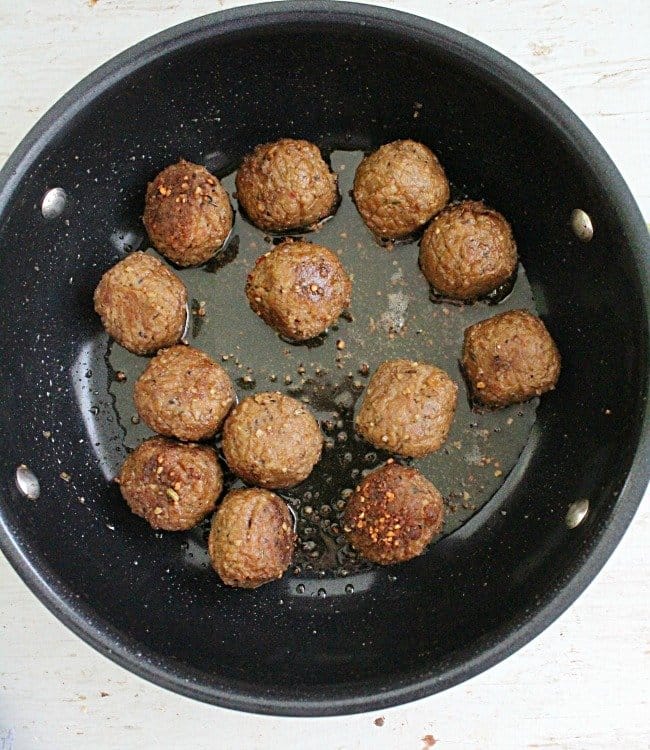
(343, 699)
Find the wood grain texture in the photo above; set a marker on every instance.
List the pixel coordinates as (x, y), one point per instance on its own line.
(585, 682)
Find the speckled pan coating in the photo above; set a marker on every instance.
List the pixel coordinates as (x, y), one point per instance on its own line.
(472, 599)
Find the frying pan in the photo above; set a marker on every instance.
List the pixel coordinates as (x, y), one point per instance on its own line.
(348, 77)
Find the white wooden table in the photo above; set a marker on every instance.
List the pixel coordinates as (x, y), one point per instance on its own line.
(585, 682)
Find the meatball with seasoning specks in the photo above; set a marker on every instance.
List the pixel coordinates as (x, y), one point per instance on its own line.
(299, 288)
(252, 538)
(393, 514)
(187, 214)
(172, 485)
(183, 393)
(286, 185)
(408, 408)
(142, 304)
(398, 188)
(509, 358)
(468, 251)
(271, 440)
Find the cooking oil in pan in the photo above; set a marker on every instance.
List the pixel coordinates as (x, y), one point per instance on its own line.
(391, 316)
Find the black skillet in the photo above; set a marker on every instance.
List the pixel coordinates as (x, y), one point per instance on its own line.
(348, 77)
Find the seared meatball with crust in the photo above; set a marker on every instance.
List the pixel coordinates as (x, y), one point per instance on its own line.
(299, 288)
(252, 538)
(187, 214)
(408, 408)
(398, 188)
(393, 514)
(142, 304)
(468, 251)
(183, 393)
(271, 440)
(509, 358)
(286, 185)
(172, 485)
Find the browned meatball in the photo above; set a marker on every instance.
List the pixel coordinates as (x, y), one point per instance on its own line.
(172, 485)
(286, 185)
(142, 304)
(252, 539)
(509, 358)
(299, 289)
(271, 440)
(398, 188)
(408, 408)
(183, 393)
(393, 514)
(468, 251)
(187, 213)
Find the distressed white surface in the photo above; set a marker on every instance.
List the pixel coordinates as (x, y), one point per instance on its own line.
(584, 683)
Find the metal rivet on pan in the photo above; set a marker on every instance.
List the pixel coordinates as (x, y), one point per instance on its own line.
(27, 482)
(53, 203)
(581, 225)
(577, 513)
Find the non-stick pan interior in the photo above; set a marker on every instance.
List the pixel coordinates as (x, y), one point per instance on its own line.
(349, 80)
